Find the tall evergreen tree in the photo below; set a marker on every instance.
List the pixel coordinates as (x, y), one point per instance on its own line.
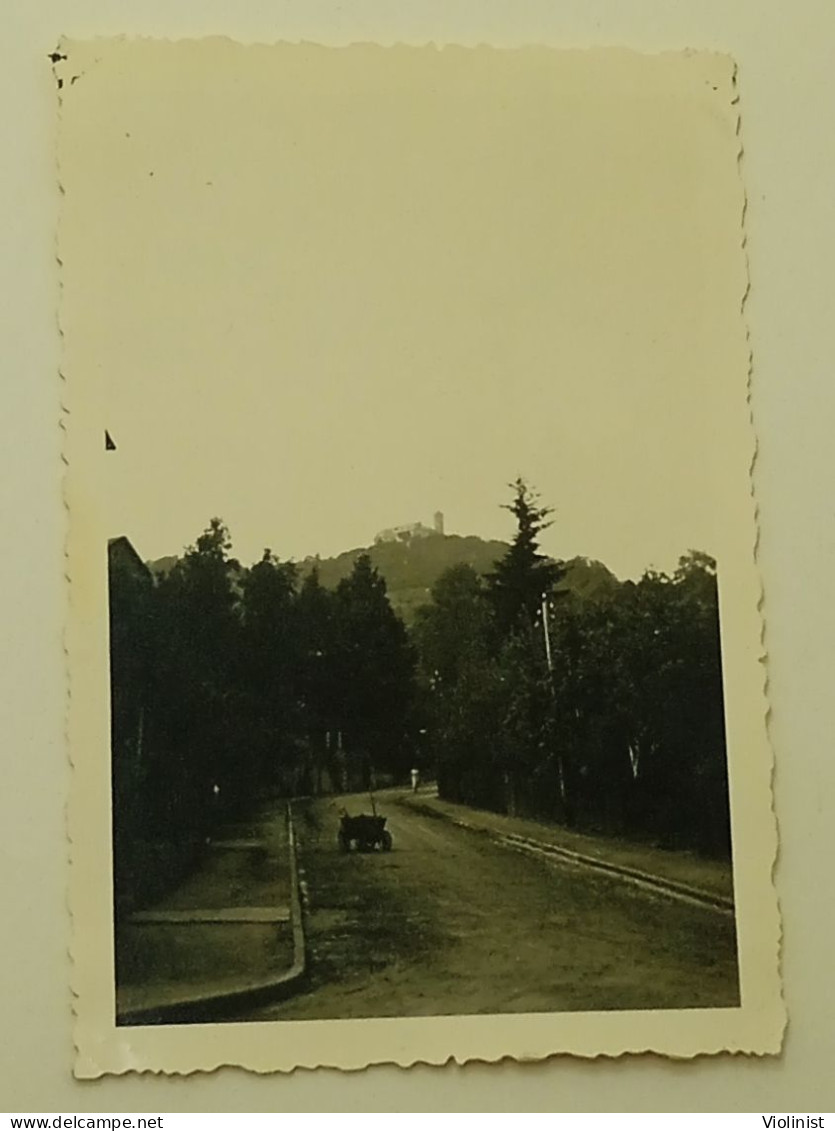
(317, 629)
(199, 653)
(319, 677)
(521, 578)
(374, 672)
(269, 662)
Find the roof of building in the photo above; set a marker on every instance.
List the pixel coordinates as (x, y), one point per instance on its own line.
(123, 543)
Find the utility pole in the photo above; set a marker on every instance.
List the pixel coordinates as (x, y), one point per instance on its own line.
(547, 632)
(550, 661)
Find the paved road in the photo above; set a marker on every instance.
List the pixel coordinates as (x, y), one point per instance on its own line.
(452, 922)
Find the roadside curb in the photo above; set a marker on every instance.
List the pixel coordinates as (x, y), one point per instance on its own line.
(672, 889)
(207, 1007)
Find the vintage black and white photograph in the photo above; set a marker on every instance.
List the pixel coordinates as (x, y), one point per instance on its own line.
(415, 445)
(436, 774)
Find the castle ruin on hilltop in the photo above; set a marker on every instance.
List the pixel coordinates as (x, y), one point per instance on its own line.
(411, 530)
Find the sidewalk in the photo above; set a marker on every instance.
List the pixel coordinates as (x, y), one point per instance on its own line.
(684, 873)
(230, 934)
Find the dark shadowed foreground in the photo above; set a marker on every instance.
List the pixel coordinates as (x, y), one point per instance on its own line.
(451, 922)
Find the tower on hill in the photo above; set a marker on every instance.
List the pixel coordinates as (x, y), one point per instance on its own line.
(411, 530)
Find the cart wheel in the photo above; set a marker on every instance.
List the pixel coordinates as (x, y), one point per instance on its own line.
(387, 841)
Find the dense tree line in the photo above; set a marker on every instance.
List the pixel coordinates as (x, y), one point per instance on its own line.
(601, 712)
(228, 681)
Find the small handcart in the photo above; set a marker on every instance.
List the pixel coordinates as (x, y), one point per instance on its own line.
(364, 833)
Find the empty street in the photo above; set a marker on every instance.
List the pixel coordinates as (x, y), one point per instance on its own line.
(452, 921)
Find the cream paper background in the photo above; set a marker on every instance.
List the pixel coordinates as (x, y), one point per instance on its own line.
(785, 79)
(329, 273)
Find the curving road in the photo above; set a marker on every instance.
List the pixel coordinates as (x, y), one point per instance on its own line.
(452, 922)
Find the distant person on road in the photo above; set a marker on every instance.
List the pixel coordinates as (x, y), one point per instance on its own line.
(415, 780)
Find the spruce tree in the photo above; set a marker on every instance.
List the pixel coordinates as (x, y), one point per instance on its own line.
(521, 578)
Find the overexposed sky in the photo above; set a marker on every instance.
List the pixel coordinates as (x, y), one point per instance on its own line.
(330, 291)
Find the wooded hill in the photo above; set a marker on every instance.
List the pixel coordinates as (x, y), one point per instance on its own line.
(410, 568)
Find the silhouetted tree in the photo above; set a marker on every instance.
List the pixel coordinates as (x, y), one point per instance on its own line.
(521, 578)
(455, 626)
(319, 677)
(374, 671)
(269, 672)
(456, 643)
(199, 650)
